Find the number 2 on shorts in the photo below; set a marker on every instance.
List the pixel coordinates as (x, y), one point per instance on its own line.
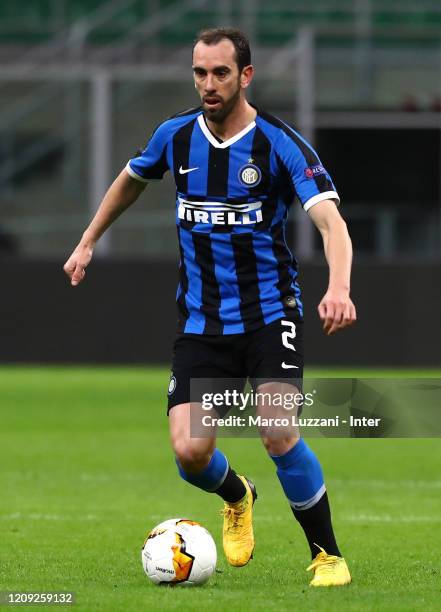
(288, 335)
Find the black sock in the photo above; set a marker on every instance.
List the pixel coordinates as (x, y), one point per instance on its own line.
(232, 489)
(317, 525)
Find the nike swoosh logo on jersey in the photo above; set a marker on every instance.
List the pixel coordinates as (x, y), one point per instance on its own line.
(285, 366)
(187, 170)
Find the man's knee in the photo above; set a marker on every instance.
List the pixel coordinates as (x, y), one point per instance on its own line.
(193, 456)
(277, 446)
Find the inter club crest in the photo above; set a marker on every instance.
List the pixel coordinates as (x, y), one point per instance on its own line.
(250, 175)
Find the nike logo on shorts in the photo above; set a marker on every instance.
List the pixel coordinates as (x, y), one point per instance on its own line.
(286, 366)
(187, 170)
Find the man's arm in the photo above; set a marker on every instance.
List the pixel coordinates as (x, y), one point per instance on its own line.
(336, 309)
(120, 195)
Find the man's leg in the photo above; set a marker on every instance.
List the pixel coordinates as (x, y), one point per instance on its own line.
(199, 461)
(203, 465)
(301, 477)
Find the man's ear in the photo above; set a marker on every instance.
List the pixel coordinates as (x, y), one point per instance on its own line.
(247, 76)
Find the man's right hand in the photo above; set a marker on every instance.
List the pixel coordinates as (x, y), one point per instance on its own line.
(121, 194)
(75, 266)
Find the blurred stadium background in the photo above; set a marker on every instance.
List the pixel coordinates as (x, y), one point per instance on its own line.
(84, 82)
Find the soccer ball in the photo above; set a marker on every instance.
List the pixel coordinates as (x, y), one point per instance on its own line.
(179, 551)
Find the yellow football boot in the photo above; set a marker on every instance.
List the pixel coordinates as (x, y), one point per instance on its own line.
(238, 536)
(329, 570)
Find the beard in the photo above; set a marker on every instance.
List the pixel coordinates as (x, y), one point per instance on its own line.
(219, 114)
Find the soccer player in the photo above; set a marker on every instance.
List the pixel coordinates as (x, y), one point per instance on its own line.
(237, 171)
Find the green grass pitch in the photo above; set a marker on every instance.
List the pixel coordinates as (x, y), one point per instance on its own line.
(86, 470)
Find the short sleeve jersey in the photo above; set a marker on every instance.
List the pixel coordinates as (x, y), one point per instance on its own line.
(232, 201)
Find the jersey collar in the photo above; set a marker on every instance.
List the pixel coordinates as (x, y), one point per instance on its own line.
(226, 143)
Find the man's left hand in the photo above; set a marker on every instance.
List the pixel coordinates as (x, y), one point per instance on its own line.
(337, 311)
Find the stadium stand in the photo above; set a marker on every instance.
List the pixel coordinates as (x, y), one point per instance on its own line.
(36, 21)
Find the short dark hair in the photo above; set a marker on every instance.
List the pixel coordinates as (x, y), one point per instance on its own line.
(212, 36)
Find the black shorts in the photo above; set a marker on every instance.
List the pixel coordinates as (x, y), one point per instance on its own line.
(271, 353)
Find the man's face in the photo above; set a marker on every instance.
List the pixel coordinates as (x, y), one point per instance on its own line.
(217, 78)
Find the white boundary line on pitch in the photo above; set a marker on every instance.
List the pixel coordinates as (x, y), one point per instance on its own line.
(36, 516)
(389, 518)
(375, 483)
(351, 518)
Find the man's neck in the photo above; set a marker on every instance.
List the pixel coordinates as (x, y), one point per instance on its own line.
(237, 120)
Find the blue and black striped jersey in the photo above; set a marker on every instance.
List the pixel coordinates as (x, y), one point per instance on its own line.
(232, 199)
